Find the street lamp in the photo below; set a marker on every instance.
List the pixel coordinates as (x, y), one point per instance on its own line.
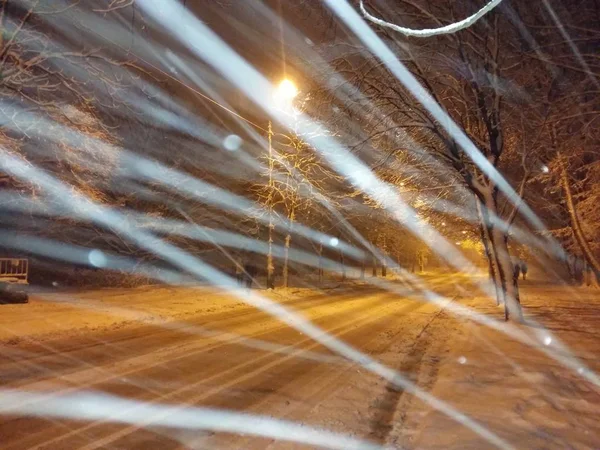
(285, 92)
(283, 95)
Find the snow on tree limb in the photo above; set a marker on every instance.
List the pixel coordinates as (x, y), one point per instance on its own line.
(428, 32)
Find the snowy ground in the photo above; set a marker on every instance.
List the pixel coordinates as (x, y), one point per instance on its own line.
(524, 394)
(200, 347)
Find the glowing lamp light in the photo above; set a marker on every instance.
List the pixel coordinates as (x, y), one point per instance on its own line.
(285, 92)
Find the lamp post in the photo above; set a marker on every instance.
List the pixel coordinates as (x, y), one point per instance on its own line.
(283, 96)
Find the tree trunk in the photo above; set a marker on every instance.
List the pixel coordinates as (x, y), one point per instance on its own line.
(320, 273)
(593, 280)
(286, 253)
(576, 267)
(270, 266)
(498, 244)
(510, 288)
(343, 264)
(362, 270)
(493, 272)
(582, 242)
(374, 267)
(569, 266)
(385, 257)
(286, 250)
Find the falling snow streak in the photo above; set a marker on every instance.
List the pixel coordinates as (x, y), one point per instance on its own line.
(108, 167)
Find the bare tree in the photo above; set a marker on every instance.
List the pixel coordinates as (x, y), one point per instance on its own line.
(572, 111)
(300, 183)
(57, 96)
(477, 77)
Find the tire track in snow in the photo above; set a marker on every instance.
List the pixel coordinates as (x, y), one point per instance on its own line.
(331, 308)
(54, 349)
(387, 406)
(247, 374)
(86, 377)
(245, 367)
(330, 385)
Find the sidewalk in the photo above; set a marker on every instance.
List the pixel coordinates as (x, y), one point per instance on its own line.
(517, 391)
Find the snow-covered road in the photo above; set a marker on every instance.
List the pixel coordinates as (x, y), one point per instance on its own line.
(181, 349)
(224, 355)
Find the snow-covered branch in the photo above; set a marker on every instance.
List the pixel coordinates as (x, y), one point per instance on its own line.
(429, 32)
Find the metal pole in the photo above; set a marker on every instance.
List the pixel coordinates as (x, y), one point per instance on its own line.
(270, 267)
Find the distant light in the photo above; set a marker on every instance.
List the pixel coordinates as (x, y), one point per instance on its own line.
(402, 184)
(462, 360)
(547, 340)
(232, 142)
(545, 169)
(97, 258)
(54, 283)
(580, 371)
(443, 224)
(308, 41)
(464, 231)
(334, 241)
(457, 243)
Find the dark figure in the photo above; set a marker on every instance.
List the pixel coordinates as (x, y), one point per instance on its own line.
(524, 269)
(239, 273)
(516, 271)
(250, 274)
